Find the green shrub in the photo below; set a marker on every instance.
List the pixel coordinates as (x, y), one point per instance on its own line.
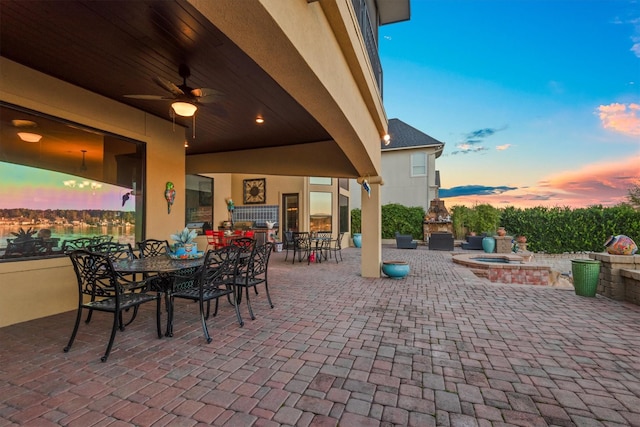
(394, 218)
(558, 230)
(549, 230)
(356, 221)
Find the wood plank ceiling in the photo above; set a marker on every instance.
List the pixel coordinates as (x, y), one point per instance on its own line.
(115, 48)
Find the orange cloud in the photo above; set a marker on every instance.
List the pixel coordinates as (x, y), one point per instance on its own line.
(623, 118)
(605, 184)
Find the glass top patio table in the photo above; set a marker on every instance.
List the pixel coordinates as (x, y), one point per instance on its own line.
(164, 266)
(156, 264)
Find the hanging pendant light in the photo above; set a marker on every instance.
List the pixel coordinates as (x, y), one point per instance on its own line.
(184, 109)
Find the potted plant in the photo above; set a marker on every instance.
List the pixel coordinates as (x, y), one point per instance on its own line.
(184, 241)
(24, 235)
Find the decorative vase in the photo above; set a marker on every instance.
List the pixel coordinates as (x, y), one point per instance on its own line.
(501, 231)
(395, 269)
(357, 240)
(621, 245)
(489, 244)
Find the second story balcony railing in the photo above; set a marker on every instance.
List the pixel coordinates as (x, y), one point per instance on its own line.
(370, 39)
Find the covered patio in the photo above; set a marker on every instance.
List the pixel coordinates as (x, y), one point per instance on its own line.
(441, 347)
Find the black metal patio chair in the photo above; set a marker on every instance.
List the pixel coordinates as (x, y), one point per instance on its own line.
(153, 247)
(301, 245)
(101, 288)
(253, 272)
(335, 247)
(209, 282)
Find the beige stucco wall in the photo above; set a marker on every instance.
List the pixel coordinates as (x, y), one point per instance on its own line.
(399, 186)
(39, 288)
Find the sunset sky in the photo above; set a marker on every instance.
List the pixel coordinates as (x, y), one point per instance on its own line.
(26, 187)
(538, 102)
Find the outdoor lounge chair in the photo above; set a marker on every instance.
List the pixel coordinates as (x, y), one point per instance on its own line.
(405, 241)
(473, 242)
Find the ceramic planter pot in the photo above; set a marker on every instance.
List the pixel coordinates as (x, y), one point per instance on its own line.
(489, 245)
(357, 240)
(621, 245)
(395, 269)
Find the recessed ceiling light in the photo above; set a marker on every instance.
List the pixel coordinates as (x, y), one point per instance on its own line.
(259, 120)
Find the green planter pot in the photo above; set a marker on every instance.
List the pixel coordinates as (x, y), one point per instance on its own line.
(585, 273)
(357, 240)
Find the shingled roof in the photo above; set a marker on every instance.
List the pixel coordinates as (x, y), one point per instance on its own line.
(404, 136)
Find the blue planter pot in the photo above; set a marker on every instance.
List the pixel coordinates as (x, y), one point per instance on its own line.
(357, 240)
(395, 269)
(489, 244)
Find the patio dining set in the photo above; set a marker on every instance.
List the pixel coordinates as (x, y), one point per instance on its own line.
(312, 246)
(114, 278)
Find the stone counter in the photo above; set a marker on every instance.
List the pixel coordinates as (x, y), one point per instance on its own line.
(611, 282)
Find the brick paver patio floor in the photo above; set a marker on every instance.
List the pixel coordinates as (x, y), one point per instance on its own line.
(440, 347)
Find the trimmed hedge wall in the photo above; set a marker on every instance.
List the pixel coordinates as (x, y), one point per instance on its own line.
(549, 230)
(558, 230)
(395, 217)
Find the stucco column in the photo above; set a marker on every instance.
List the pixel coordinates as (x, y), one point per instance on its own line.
(371, 231)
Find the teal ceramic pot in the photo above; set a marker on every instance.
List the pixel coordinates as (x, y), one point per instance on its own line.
(395, 269)
(357, 240)
(489, 245)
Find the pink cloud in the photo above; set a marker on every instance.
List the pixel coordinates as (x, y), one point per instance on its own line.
(605, 184)
(623, 118)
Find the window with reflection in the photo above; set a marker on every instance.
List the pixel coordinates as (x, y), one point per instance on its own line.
(343, 220)
(199, 200)
(319, 180)
(320, 211)
(418, 164)
(63, 181)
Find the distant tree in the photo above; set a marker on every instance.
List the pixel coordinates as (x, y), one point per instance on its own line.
(634, 196)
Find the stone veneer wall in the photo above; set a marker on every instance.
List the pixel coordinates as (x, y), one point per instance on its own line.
(631, 280)
(538, 275)
(611, 282)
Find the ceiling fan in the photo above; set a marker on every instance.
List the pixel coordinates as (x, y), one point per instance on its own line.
(182, 94)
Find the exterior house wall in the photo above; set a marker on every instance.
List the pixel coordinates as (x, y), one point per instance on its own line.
(399, 186)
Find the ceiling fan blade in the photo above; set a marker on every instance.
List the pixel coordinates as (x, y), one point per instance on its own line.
(167, 85)
(206, 95)
(149, 97)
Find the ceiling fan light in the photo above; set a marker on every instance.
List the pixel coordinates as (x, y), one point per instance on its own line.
(184, 109)
(29, 137)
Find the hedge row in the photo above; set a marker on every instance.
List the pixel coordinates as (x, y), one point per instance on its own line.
(549, 230)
